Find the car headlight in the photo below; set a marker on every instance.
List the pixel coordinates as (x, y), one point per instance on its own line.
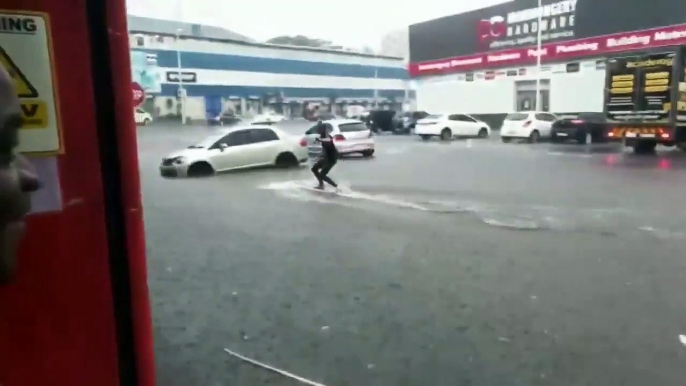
(179, 160)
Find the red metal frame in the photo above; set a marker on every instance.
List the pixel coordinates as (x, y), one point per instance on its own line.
(57, 321)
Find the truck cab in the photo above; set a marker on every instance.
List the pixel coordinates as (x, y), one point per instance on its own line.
(645, 99)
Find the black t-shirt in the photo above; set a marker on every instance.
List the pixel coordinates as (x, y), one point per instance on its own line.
(328, 147)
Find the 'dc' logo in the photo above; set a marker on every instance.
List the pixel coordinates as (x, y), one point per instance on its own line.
(489, 30)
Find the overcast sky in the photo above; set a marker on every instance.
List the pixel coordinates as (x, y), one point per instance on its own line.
(353, 23)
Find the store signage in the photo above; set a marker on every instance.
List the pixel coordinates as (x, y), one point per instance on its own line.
(520, 28)
(595, 46)
(186, 77)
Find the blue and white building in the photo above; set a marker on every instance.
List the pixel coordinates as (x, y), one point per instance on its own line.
(221, 70)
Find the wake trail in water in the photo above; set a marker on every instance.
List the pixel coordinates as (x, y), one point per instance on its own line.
(599, 221)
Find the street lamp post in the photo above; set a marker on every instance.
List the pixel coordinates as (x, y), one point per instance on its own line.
(538, 59)
(376, 88)
(181, 91)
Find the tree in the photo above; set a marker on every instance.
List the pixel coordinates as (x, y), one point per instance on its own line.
(299, 40)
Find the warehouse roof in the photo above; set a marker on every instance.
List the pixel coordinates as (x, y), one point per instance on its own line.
(147, 25)
(169, 27)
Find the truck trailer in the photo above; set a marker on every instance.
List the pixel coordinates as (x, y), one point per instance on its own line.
(645, 99)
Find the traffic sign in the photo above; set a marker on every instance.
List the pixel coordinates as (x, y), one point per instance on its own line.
(138, 95)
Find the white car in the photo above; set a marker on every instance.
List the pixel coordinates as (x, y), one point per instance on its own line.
(237, 148)
(142, 117)
(448, 126)
(350, 136)
(268, 118)
(529, 125)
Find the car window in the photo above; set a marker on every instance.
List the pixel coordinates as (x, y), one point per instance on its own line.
(433, 116)
(420, 114)
(140, 111)
(599, 117)
(352, 127)
(313, 129)
(236, 138)
(517, 117)
(467, 118)
(549, 117)
(460, 118)
(262, 135)
(541, 117)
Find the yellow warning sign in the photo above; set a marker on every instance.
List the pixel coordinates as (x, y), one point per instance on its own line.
(26, 54)
(34, 114)
(24, 88)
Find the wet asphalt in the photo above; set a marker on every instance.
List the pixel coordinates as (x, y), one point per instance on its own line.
(468, 263)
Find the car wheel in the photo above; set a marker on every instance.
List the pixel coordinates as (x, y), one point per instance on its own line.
(645, 147)
(286, 160)
(534, 137)
(446, 134)
(367, 153)
(146, 122)
(425, 137)
(483, 133)
(200, 169)
(584, 138)
(506, 139)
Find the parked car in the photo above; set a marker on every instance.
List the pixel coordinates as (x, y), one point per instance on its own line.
(448, 126)
(529, 125)
(381, 120)
(238, 148)
(268, 119)
(584, 128)
(226, 118)
(407, 121)
(350, 136)
(142, 117)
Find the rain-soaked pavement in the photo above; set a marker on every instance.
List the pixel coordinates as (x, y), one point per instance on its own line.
(469, 263)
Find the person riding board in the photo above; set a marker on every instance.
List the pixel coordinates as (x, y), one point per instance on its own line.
(327, 159)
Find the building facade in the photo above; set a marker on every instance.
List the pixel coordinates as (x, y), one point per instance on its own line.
(484, 62)
(220, 74)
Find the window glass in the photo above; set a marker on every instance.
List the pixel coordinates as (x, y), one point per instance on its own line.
(352, 127)
(592, 116)
(263, 135)
(236, 138)
(516, 117)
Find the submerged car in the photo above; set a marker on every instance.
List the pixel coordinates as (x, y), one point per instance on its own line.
(584, 128)
(268, 119)
(448, 126)
(224, 119)
(237, 148)
(350, 136)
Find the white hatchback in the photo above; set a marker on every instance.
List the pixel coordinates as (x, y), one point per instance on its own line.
(350, 136)
(529, 125)
(448, 126)
(237, 148)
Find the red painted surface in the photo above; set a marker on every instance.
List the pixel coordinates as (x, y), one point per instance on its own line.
(131, 192)
(57, 323)
(571, 49)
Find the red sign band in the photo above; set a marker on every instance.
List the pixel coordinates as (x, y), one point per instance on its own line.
(571, 49)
